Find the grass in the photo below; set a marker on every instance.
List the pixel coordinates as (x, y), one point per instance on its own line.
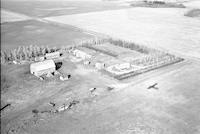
(5, 83)
(157, 4)
(193, 13)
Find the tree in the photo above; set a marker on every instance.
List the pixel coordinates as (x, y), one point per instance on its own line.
(3, 57)
(14, 54)
(48, 49)
(43, 51)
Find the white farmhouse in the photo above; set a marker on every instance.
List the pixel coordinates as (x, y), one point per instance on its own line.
(81, 54)
(42, 68)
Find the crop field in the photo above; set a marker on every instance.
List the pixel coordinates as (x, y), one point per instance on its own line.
(55, 8)
(165, 29)
(32, 32)
(7, 16)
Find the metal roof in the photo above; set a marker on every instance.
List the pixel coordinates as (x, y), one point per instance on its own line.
(38, 66)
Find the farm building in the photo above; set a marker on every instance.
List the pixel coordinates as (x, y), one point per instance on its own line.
(123, 66)
(86, 62)
(42, 68)
(100, 65)
(81, 54)
(41, 58)
(52, 55)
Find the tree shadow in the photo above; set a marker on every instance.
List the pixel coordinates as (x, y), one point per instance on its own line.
(58, 65)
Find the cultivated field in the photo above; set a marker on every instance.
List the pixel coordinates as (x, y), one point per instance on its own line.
(42, 8)
(8, 16)
(33, 32)
(161, 28)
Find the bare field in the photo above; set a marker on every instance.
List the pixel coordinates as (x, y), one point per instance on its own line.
(164, 29)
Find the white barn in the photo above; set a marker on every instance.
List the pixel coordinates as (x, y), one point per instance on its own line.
(43, 67)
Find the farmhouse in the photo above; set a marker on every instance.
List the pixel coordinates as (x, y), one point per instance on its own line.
(42, 68)
(81, 54)
(52, 55)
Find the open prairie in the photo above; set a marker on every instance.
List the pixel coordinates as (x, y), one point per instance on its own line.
(161, 28)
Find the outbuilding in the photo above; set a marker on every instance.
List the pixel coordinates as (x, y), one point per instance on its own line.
(81, 54)
(100, 65)
(42, 68)
(123, 66)
(52, 55)
(40, 58)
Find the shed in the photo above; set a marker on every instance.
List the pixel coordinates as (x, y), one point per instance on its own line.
(42, 68)
(123, 66)
(40, 58)
(52, 55)
(86, 62)
(81, 54)
(100, 65)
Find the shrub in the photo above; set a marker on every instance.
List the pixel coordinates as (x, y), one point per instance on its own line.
(157, 4)
(25, 53)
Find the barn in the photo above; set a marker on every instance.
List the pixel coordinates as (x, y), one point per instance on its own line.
(42, 68)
